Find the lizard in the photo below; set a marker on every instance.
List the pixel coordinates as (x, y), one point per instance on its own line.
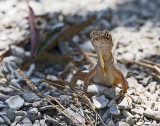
(104, 72)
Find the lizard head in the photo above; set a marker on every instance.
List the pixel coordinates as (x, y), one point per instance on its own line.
(103, 37)
(101, 40)
(102, 43)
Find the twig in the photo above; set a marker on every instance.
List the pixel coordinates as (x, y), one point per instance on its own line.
(140, 64)
(83, 53)
(150, 62)
(46, 96)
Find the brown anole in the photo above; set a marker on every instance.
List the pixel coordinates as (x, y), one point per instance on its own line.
(104, 72)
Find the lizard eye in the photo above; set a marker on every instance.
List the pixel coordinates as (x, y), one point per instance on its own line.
(107, 34)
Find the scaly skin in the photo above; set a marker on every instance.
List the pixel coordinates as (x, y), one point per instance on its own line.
(104, 72)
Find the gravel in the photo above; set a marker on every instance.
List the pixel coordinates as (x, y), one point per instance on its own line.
(134, 26)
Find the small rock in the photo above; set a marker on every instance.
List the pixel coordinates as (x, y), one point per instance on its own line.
(14, 124)
(87, 46)
(1, 120)
(42, 122)
(75, 38)
(110, 123)
(18, 119)
(34, 80)
(33, 111)
(49, 107)
(33, 114)
(13, 59)
(111, 102)
(73, 114)
(65, 97)
(30, 97)
(152, 114)
(100, 102)
(11, 115)
(30, 70)
(151, 87)
(139, 123)
(26, 121)
(15, 102)
(113, 110)
(122, 124)
(39, 75)
(37, 123)
(5, 119)
(17, 51)
(52, 77)
(28, 104)
(130, 121)
(113, 93)
(51, 120)
(126, 103)
(105, 115)
(137, 111)
(37, 104)
(20, 113)
(2, 106)
(127, 114)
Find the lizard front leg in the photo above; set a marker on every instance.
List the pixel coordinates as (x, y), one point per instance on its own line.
(86, 77)
(119, 78)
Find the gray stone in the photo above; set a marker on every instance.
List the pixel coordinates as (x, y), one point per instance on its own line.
(14, 124)
(36, 123)
(1, 120)
(87, 46)
(2, 106)
(113, 93)
(20, 113)
(18, 119)
(11, 115)
(52, 77)
(151, 87)
(105, 115)
(39, 75)
(15, 102)
(42, 122)
(5, 119)
(137, 111)
(152, 114)
(51, 120)
(33, 111)
(17, 51)
(111, 102)
(126, 103)
(74, 115)
(30, 97)
(30, 70)
(113, 110)
(122, 124)
(37, 104)
(13, 59)
(33, 114)
(65, 97)
(48, 107)
(100, 102)
(35, 80)
(126, 114)
(28, 104)
(26, 121)
(111, 123)
(130, 121)
(139, 123)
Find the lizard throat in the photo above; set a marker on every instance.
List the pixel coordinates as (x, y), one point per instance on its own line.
(105, 62)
